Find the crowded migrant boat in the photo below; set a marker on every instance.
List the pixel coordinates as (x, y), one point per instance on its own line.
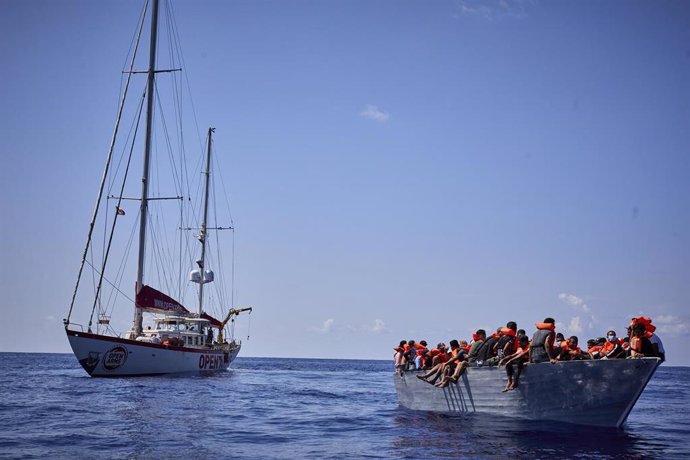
(513, 349)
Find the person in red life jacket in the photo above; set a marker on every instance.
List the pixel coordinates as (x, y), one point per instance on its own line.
(472, 357)
(456, 359)
(612, 349)
(541, 347)
(640, 345)
(464, 346)
(440, 357)
(422, 351)
(569, 350)
(515, 362)
(650, 333)
(594, 348)
(399, 357)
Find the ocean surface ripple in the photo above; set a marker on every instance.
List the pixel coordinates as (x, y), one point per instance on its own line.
(264, 408)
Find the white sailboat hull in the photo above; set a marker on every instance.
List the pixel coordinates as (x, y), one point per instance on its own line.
(106, 356)
(593, 392)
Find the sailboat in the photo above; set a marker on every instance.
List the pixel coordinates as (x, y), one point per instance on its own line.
(176, 339)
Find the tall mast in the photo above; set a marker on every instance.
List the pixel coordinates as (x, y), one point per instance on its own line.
(143, 214)
(202, 230)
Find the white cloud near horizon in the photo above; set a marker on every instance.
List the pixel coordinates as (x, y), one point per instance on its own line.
(670, 325)
(495, 9)
(575, 326)
(576, 322)
(374, 113)
(327, 326)
(378, 327)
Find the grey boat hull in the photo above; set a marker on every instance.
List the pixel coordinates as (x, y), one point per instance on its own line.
(596, 392)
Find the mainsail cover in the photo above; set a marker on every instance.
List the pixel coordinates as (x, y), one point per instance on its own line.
(214, 322)
(150, 299)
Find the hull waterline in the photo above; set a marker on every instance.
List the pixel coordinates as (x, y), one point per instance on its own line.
(596, 392)
(105, 356)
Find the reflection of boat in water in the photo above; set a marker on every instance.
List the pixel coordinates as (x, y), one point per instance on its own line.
(176, 340)
(589, 392)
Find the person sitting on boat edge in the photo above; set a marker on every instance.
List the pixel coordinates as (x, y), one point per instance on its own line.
(508, 343)
(399, 357)
(515, 362)
(651, 335)
(489, 350)
(472, 359)
(456, 359)
(613, 348)
(594, 351)
(640, 345)
(541, 348)
(420, 359)
(410, 354)
(570, 351)
(439, 368)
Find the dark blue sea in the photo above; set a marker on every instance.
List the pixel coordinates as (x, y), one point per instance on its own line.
(295, 408)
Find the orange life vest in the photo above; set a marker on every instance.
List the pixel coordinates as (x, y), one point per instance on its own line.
(549, 326)
(608, 347)
(595, 349)
(646, 322)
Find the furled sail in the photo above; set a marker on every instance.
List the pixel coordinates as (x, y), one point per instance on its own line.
(214, 322)
(150, 299)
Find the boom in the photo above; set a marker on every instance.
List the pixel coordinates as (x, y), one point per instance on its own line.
(232, 312)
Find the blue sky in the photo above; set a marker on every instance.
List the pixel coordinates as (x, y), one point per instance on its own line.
(397, 169)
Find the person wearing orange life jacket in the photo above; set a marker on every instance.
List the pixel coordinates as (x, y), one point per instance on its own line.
(440, 360)
(640, 345)
(541, 347)
(594, 350)
(506, 344)
(420, 359)
(650, 329)
(518, 360)
(399, 357)
(472, 358)
(570, 351)
(410, 353)
(613, 348)
(464, 346)
(455, 360)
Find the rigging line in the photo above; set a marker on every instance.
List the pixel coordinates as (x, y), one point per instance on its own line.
(116, 171)
(110, 305)
(103, 180)
(232, 271)
(225, 193)
(185, 76)
(160, 251)
(109, 282)
(178, 186)
(112, 230)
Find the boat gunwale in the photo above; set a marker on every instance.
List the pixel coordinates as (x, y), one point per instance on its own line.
(108, 338)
